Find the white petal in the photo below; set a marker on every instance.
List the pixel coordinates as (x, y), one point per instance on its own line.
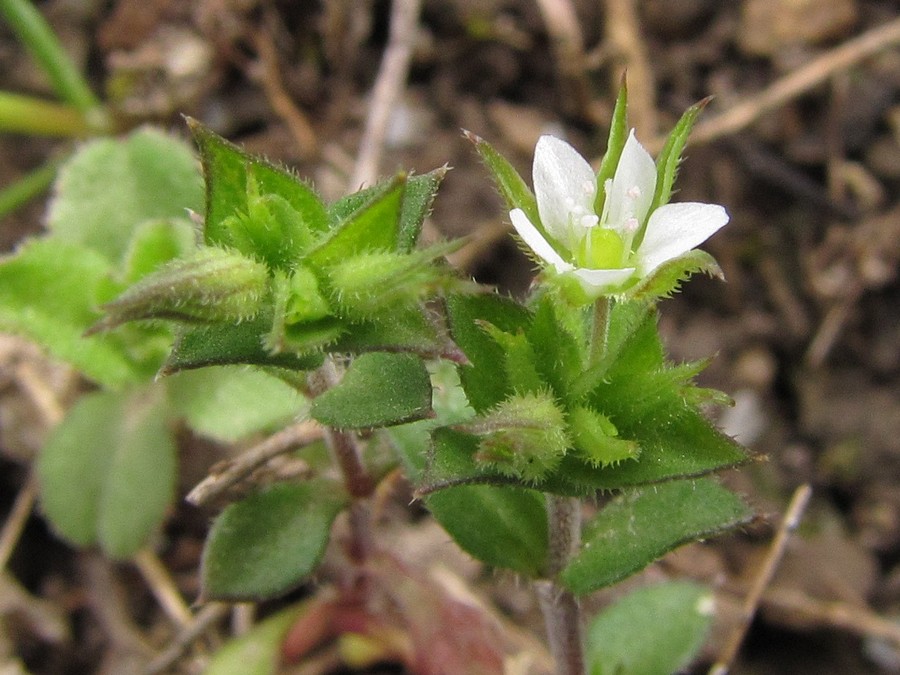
(564, 185)
(536, 242)
(633, 184)
(674, 229)
(597, 280)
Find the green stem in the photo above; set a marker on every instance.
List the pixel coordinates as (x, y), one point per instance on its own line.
(27, 187)
(42, 43)
(600, 331)
(34, 116)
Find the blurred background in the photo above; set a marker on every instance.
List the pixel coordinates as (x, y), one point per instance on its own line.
(801, 144)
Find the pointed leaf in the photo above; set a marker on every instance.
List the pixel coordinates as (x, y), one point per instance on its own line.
(667, 278)
(655, 630)
(618, 134)
(417, 200)
(670, 156)
(502, 527)
(110, 186)
(226, 169)
(378, 390)
(374, 226)
(512, 187)
(107, 474)
(642, 525)
(270, 542)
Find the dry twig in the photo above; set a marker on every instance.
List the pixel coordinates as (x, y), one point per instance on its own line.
(796, 83)
(776, 551)
(294, 436)
(163, 587)
(388, 85)
(623, 35)
(207, 616)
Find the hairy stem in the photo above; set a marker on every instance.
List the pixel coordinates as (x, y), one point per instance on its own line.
(562, 613)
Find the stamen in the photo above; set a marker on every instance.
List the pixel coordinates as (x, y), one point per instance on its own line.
(633, 192)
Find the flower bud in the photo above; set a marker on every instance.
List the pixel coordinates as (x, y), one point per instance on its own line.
(213, 285)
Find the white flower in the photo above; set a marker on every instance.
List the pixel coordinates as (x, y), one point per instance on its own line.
(598, 249)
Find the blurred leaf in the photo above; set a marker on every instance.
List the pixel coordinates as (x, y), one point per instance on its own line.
(501, 526)
(107, 473)
(378, 390)
(154, 243)
(257, 652)
(642, 525)
(110, 186)
(656, 630)
(270, 542)
(49, 292)
(228, 403)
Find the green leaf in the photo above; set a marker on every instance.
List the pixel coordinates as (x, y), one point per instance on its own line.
(417, 200)
(110, 186)
(401, 329)
(49, 292)
(642, 525)
(241, 343)
(656, 630)
(228, 403)
(484, 382)
(618, 134)
(374, 226)
(257, 652)
(670, 156)
(107, 473)
(229, 171)
(378, 390)
(269, 543)
(503, 527)
(558, 354)
(512, 187)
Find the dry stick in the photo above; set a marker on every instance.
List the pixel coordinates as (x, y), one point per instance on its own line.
(390, 81)
(18, 516)
(280, 99)
(815, 72)
(568, 52)
(294, 436)
(623, 35)
(207, 616)
(791, 520)
(163, 587)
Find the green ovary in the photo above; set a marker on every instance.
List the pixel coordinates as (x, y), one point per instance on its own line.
(602, 249)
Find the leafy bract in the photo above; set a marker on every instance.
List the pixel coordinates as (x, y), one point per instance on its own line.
(656, 630)
(378, 390)
(270, 542)
(107, 474)
(618, 134)
(641, 525)
(110, 186)
(512, 187)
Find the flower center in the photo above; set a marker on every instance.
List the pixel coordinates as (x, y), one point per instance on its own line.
(601, 249)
